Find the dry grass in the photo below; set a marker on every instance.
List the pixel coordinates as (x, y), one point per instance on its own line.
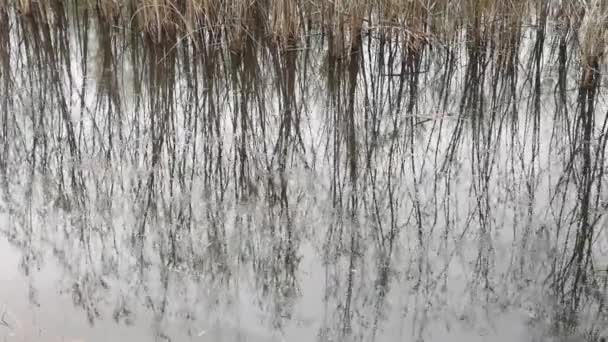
(289, 23)
(440, 19)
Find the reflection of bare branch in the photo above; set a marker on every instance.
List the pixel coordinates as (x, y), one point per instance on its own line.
(3, 321)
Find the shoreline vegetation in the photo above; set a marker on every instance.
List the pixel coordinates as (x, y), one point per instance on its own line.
(290, 23)
(383, 102)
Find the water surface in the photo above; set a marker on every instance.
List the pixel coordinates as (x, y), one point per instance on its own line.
(397, 189)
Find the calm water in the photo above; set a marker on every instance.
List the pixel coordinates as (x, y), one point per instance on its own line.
(198, 191)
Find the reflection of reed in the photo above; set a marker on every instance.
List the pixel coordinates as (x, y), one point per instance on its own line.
(197, 150)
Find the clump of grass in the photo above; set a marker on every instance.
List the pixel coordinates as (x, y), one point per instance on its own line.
(288, 18)
(592, 32)
(287, 21)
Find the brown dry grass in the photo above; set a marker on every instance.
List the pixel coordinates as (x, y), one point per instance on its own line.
(414, 22)
(283, 18)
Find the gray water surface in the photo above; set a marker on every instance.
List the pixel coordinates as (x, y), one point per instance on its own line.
(184, 191)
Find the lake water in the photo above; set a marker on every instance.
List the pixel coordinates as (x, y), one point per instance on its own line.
(197, 190)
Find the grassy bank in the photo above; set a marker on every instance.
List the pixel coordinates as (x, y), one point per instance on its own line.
(437, 21)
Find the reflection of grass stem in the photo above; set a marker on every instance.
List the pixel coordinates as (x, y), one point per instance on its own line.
(3, 320)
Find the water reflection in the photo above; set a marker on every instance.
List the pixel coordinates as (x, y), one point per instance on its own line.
(368, 184)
